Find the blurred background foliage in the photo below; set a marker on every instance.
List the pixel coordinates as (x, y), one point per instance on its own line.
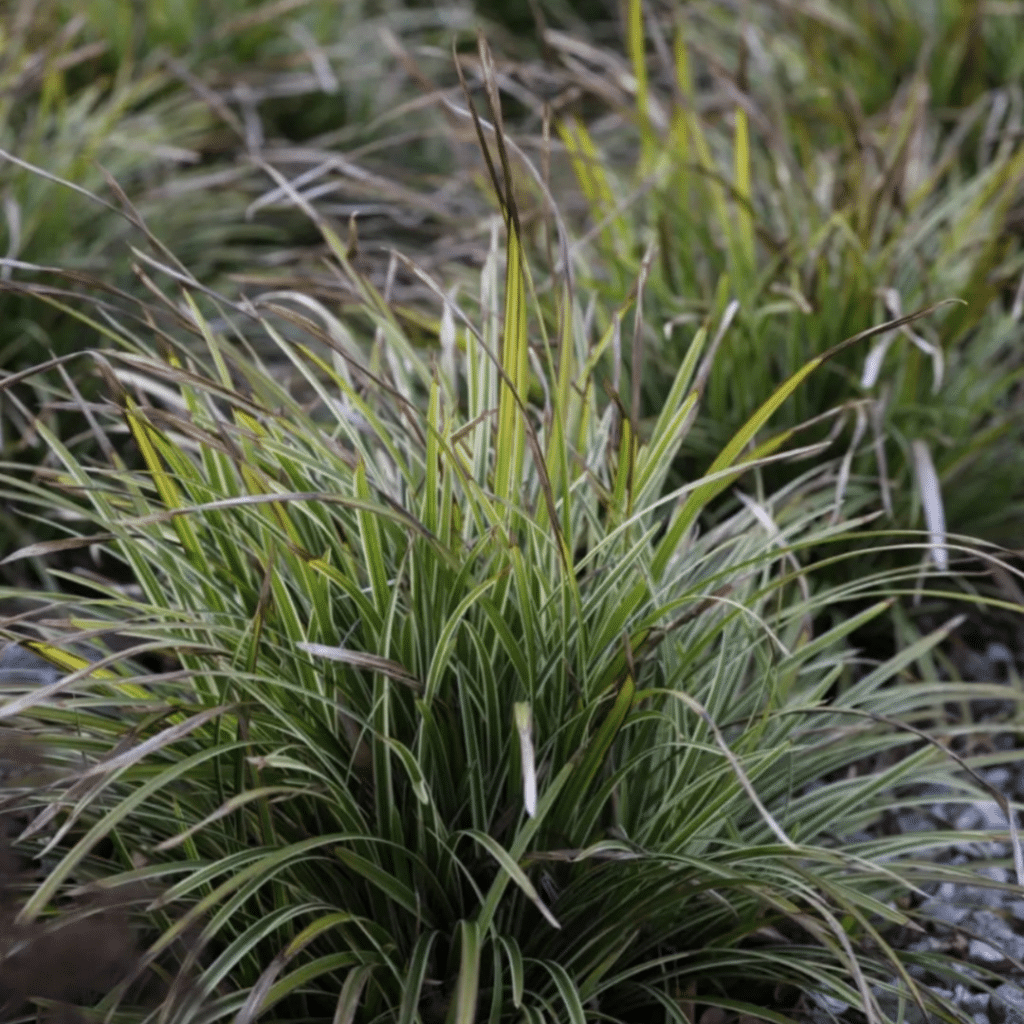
(829, 165)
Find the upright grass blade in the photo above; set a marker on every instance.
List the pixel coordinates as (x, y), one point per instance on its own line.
(468, 982)
(744, 195)
(638, 60)
(510, 442)
(147, 439)
(411, 996)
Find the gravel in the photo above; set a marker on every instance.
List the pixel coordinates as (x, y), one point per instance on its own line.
(982, 925)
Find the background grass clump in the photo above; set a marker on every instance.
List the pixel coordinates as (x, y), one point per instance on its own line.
(181, 104)
(832, 193)
(464, 632)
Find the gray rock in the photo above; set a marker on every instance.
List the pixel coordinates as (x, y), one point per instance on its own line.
(997, 653)
(928, 944)
(997, 874)
(984, 954)
(861, 837)
(965, 969)
(1006, 1005)
(950, 892)
(980, 895)
(992, 815)
(972, 1002)
(912, 821)
(999, 778)
(889, 1003)
(982, 851)
(829, 1004)
(995, 941)
(20, 667)
(969, 817)
(989, 926)
(947, 913)
(937, 789)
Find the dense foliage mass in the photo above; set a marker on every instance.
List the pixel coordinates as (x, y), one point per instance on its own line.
(475, 631)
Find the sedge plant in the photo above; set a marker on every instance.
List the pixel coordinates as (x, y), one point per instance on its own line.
(408, 698)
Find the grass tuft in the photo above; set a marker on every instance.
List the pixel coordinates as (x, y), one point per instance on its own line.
(450, 650)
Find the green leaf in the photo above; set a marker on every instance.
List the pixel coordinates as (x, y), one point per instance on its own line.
(378, 877)
(369, 533)
(510, 439)
(123, 809)
(413, 983)
(412, 767)
(468, 982)
(145, 435)
(597, 750)
(566, 989)
(443, 649)
(519, 847)
(515, 966)
(744, 220)
(699, 497)
(351, 992)
(514, 871)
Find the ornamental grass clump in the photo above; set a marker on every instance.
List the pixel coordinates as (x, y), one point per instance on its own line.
(833, 192)
(408, 696)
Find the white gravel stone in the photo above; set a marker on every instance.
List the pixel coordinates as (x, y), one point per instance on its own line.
(939, 910)
(985, 955)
